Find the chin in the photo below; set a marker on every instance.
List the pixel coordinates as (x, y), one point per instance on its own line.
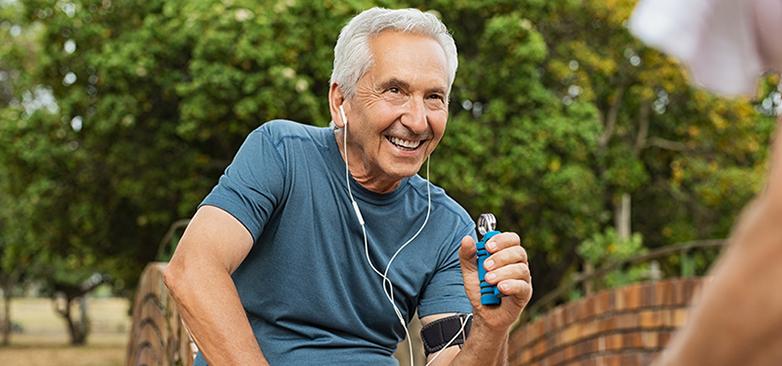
(404, 170)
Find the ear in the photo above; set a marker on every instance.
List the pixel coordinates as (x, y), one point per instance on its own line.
(336, 99)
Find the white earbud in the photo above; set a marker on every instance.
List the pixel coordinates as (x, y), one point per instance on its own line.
(342, 116)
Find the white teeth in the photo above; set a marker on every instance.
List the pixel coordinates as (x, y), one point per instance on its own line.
(404, 143)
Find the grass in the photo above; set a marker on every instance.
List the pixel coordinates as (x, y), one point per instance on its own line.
(44, 338)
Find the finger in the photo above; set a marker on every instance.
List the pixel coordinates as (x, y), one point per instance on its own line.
(516, 288)
(467, 254)
(505, 257)
(516, 271)
(502, 241)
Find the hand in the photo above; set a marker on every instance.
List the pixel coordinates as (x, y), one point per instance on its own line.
(509, 270)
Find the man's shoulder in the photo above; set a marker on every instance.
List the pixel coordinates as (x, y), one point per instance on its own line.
(282, 130)
(441, 200)
(279, 132)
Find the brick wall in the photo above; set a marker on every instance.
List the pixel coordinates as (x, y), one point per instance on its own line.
(157, 336)
(626, 326)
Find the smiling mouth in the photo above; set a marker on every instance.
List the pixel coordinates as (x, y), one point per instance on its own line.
(407, 145)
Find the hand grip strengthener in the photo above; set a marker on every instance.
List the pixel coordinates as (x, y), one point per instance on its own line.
(490, 294)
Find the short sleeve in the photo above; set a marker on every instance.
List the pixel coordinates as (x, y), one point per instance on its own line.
(251, 187)
(445, 291)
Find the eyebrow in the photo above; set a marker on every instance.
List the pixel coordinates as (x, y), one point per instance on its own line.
(394, 82)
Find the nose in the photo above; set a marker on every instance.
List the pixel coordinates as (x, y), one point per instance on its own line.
(415, 117)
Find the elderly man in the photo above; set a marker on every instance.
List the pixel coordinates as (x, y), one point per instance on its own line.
(318, 244)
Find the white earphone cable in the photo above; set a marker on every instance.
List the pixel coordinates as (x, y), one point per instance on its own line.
(464, 323)
(389, 291)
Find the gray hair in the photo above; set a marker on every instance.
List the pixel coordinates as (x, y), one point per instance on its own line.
(352, 56)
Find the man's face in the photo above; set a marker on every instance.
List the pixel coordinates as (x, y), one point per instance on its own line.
(398, 113)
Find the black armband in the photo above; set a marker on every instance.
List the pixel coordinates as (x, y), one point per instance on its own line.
(438, 333)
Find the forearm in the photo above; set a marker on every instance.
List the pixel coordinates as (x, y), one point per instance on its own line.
(210, 307)
(737, 319)
(484, 346)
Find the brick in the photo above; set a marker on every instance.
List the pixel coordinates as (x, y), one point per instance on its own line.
(570, 352)
(603, 303)
(578, 311)
(589, 308)
(648, 298)
(585, 348)
(519, 338)
(536, 331)
(569, 334)
(627, 321)
(647, 318)
(525, 355)
(559, 318)
(680, 317)
(556, 357)
(633, 297)
(665, 293)
(639, 317)
(588, 329)
(666, 318)
(614, 341)
(606, 324)
(631, 340)
(649, 340)
(539, 349)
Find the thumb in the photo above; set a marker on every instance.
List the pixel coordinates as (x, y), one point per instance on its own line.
(467, 255)
(468, 259)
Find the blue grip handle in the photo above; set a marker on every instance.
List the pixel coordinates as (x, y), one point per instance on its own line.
(490, 294)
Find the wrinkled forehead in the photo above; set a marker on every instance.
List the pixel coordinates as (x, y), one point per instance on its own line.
(409, 56)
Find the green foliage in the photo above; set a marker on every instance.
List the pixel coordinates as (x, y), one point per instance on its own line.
(555, 112)
(607, 248)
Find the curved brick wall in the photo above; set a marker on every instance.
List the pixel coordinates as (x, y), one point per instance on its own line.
(626, 326)
(157, 336)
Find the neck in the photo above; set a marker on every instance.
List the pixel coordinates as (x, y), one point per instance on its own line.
(362, 171)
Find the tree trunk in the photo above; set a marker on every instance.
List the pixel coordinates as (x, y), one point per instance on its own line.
(84, 321)
(622, 216)
(6, 324)
(78, 329)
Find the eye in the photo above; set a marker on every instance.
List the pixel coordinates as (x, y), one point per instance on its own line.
(394, 90)
(437, 97)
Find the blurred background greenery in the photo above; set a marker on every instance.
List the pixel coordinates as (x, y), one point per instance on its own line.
(117, 118)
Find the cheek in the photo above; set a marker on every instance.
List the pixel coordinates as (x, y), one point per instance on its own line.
(438, 122)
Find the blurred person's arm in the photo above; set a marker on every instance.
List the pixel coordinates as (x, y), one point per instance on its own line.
(737, 320)
(199, 278)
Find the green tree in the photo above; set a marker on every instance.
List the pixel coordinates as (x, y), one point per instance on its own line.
(561, 123)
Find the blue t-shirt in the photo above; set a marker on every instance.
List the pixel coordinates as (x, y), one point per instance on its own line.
(308, 291)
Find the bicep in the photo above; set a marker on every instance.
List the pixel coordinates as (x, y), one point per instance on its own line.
(213, 237)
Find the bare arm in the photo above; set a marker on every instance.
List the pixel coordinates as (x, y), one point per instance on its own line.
(737, 320)
(199, 278)
(483, 347)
